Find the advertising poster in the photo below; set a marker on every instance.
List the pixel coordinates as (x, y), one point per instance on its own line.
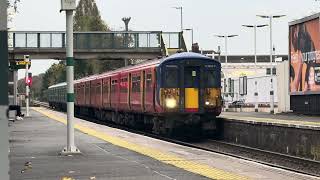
(304, 50)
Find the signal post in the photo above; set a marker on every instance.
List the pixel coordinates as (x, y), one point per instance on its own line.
(27, 60)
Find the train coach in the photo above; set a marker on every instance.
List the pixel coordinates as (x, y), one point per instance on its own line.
(182, 91)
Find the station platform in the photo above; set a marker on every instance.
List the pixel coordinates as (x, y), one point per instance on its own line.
(281, 119)
(108, 153)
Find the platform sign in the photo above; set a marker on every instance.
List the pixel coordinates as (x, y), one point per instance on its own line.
(304, 44)
(19, 64)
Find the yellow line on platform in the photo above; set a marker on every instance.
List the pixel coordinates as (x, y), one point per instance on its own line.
(179, 162)
(274, 121)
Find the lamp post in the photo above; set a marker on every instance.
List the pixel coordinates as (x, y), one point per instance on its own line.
(271, 17)
(226, 61)
(26, 59)
(126, 21)
(256, 107)
(69, 6)
(190, 29)
(181, 16)
(226, 44)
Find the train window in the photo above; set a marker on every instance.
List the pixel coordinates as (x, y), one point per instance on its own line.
(124, 85)
(149, 82)
(87, 88)
(136, 84)
(105, 89)
(171, 76)
(114, 85)
(98, 89)
(191, 77)
(211, 77)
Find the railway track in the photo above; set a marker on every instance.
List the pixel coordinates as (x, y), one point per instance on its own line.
(274, 159)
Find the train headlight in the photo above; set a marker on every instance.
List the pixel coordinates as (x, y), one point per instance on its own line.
(207, 103)
(171, 103)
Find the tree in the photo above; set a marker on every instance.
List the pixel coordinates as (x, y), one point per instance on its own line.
(12, 8)
(55, 74)
(87, 17)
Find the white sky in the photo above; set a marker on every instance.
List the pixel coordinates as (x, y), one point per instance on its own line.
(207, 17)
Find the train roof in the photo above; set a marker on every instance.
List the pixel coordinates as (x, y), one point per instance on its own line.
(149, 63)
(58, 85)
(186, 55)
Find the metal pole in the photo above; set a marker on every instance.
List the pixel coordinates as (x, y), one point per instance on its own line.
(26, 59)
(271, 41)
(181, 11)
(256, 106)
(4, 140)
(219, 51)
(226, 49)
(226, 74)
(192, 36)
(71, 148)
(271, 69)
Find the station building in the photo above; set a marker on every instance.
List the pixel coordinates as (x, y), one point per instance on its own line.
(243, 65)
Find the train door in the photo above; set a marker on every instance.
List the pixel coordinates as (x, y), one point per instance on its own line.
(192, 88)
(143, 90)
(149, 92)
(129, 91)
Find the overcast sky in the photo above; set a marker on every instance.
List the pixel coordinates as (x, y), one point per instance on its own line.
(207, 17)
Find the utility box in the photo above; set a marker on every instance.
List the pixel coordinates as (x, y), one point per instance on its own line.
(283, 87)
(68, 5)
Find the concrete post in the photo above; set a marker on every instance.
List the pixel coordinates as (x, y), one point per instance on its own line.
(26, 59)
(71, 148)
(4, 160)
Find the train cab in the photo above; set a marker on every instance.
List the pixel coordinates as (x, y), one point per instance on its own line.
(189, 83)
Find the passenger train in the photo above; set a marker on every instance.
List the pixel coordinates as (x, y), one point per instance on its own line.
(182, 91)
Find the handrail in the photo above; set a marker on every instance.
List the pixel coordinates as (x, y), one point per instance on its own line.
(95, 32)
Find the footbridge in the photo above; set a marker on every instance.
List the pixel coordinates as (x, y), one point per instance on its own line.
(111, 45)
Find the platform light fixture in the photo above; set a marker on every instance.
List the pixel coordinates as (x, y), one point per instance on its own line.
(226, 44)
(226, 61)
(271, 17)
(256, 106)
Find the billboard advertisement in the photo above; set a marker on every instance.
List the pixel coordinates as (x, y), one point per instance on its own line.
(304, 47)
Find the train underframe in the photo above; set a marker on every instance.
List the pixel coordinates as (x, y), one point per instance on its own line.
(170, 124)
(164, 124)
